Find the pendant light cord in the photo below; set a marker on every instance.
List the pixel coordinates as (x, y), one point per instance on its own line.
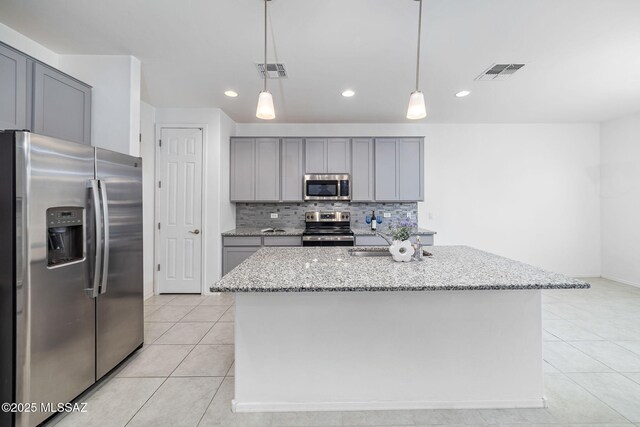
(265, 44)
(418, 55)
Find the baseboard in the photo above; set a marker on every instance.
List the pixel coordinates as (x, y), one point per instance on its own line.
(382, 405)
(626, 282)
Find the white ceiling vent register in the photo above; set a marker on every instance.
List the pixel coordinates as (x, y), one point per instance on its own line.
(275, 70)
(499, 72)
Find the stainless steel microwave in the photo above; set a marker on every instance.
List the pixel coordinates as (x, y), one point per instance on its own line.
(327, 187)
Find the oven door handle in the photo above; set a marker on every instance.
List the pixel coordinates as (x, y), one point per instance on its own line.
(327, 238)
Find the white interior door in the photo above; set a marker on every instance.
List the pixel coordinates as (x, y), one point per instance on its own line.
(179, 210)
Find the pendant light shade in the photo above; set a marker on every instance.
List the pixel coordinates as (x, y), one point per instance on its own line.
(417, 109)
(265, 108)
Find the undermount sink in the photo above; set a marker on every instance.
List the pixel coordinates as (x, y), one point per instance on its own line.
(369, 252)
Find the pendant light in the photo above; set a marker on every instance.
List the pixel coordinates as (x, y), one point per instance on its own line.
(417, 109)
(265, 108)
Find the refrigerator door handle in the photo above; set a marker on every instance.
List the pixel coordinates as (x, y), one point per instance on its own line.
(105, 223)
(97, 211)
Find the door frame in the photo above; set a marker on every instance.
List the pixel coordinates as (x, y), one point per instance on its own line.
(156, 211)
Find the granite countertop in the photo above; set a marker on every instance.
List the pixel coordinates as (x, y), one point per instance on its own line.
(254, 231)
(369, 232)
(333, 269)
(249, 231)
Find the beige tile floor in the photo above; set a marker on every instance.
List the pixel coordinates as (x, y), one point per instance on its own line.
(184, 374)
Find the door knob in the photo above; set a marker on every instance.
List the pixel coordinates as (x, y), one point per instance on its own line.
(196, 231)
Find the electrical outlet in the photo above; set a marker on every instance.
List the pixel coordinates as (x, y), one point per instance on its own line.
(386, 215)
(274, 216)
(409, 215)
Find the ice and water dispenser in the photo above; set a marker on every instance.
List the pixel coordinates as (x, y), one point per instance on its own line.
(65, 235)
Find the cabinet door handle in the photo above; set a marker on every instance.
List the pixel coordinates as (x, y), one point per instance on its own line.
(196, 231)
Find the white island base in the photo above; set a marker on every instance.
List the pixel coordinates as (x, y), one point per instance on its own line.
(312, 351)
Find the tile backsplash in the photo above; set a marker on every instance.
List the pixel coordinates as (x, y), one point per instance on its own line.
(292, 214)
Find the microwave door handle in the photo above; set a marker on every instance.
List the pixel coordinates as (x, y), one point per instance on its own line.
(105, 222)
(97, 211)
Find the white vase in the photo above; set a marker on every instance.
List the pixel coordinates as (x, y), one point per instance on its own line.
(401, 250)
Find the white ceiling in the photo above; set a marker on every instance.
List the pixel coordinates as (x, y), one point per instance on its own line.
(582, 56)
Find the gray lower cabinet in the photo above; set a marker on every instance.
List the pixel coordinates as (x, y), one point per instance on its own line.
(13, 89)
(236, 249)
(255, 170)
(328, 155)
(399, 169)
(362, 164)
(371, 240)
(292, 169)
(61, 105)
(233, 256)
(290, 241)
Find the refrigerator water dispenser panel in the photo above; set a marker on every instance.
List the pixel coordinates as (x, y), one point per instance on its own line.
(65, 235)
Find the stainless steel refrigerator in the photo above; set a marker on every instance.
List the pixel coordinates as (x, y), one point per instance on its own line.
(71, 286)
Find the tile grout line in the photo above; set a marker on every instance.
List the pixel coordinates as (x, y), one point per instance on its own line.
(163, 382)
(225, 375)
(167, 377)
(210, 402)
(597, 398)
(583, 388)
(146, 401)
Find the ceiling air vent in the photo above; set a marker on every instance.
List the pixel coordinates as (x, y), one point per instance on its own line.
(499, 72)
(274, 70)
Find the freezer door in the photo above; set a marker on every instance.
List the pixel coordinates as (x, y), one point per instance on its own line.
(120, 327)
(55, 314)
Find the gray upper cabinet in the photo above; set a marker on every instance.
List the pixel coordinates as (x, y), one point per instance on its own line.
(13, 89)
(292, 169)
(386, 177)
(267, 169)
(338, 155)
(316, 158)
(362, 165)
(328, 155)
(255, 170)
(410, 169)
(272, 169)
(243, 169)
(399, 169)
(61, 105)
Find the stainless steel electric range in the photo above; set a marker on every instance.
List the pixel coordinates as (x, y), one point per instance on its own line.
(327, 229)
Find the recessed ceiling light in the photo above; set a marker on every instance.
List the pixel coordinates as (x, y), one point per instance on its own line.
(231, 93)
(348, 93)
(462, 93)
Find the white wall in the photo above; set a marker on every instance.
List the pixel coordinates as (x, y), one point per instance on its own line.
(24, 44)
(147, 152)
(620, 156)
(219, 214)
(115, 115)
(227, 214)
(525, 191)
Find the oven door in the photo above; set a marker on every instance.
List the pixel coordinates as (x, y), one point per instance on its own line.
(327, 240)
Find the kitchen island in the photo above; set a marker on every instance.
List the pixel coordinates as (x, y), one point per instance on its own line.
(320, 329)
